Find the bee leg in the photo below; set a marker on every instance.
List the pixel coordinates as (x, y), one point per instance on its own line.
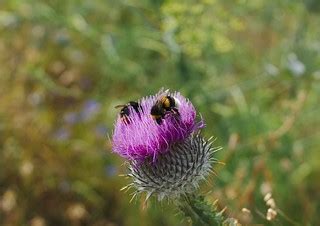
(125, 120)
(159, 121)
(175, 111)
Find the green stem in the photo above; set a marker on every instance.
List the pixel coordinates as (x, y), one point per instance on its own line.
(200, 212)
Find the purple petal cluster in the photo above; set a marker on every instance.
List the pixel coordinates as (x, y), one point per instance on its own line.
(144, 138)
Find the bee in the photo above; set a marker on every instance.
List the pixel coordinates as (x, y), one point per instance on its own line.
(163, 106)
(125, 111)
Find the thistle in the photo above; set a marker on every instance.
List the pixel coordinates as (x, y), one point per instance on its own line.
(167, 158)
(175, 173)
(142, 137)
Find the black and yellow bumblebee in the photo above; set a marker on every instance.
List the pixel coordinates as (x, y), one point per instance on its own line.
(163, 106)
(125, 111)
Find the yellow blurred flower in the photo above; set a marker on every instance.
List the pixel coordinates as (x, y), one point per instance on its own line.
(26, 168)
(222, 44)
(76, 211)
(237, 25)
(37, 221)
(8, 201)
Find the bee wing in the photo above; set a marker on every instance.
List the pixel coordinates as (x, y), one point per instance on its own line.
(162, 92)
(166, 91)
(178, 103)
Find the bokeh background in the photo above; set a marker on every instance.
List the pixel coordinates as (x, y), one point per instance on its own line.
(251, 68)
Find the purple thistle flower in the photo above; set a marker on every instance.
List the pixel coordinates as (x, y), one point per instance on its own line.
(142, 137)
(167, 155)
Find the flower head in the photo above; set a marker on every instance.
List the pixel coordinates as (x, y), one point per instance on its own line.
(174, 173)
(160, 137)
(140, 136)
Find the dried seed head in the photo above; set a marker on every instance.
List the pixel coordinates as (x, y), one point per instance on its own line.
(175, 172)
(271, 214)
(245, 210)
(271, 203)
(267, 196)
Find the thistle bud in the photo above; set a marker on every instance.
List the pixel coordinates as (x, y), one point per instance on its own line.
(176, 172)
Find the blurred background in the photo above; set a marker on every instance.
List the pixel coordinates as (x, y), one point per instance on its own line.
(251, 68)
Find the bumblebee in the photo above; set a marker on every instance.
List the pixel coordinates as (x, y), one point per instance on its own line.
(125, 111)
(163, 106)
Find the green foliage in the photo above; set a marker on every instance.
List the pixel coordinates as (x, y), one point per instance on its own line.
(251, 68)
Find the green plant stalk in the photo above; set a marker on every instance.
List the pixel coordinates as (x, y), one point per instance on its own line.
(200, 212)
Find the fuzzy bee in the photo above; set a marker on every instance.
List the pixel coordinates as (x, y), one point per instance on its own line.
(166, 104)
(125, 111)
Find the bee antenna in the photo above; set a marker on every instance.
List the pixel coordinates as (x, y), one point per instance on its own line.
(120, 106)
